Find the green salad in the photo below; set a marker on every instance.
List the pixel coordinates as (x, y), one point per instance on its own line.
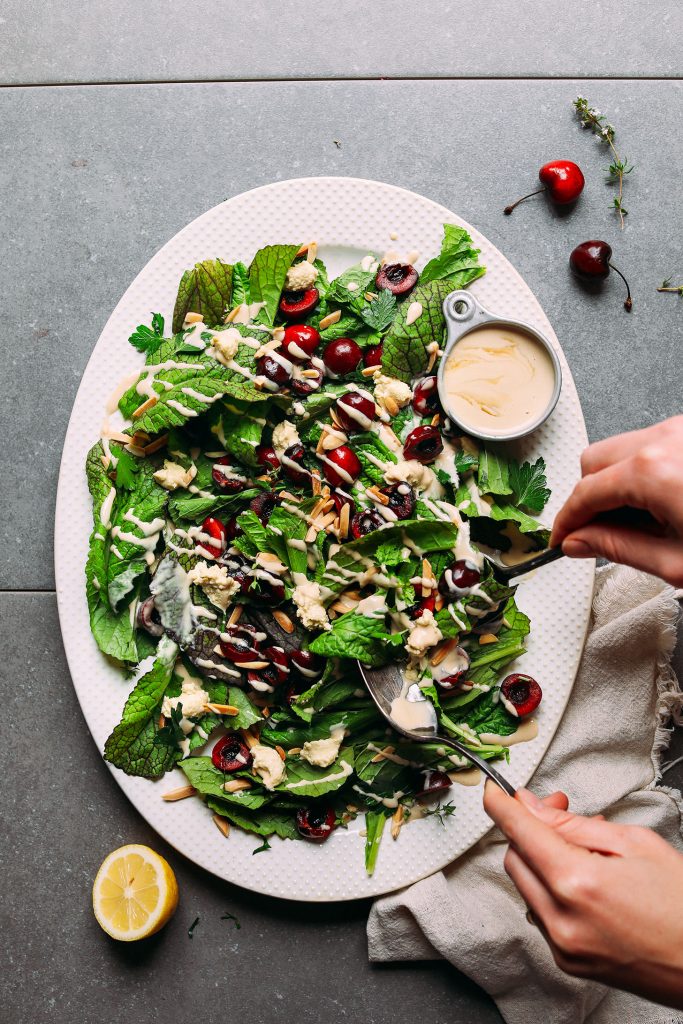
(282, 495)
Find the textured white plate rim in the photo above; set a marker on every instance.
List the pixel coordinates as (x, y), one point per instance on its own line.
(316, 870)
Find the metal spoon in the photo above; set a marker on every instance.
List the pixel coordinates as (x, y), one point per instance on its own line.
(386, 684)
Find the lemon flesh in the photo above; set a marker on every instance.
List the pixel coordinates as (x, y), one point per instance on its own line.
(135, 893)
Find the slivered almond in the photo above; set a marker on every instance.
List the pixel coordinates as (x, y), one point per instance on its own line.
(116, 435)
(280, 751)
(162, 722)
(370, 371)
(391, 406)
(140, 438)
(293, 751)
(283, 620)
(193, 318)
(370, 296)
(397, 821)
(302, 249)
(331, 318)
(488, 638)
(435, 419)
(427, 570)
(315, 483)
(249, 738)
(222, 824)
(265, 712)
(269, 346)
(377, 494)
(507, 624)
(371, 571)
(178, 794)
(235, 614)
(268, 558)
(344, 604)
(323, 521)
(223, 709)
(321, 441)
(232, 314)
(155, 446)
(344, 520)
(235, 785)
(309, 374)
(312, 252)
(311, 534)
(381, 755)
(442, 651)
(289, 497)
(105, 460)
(335, 418)
(254, 664)
(438, 603)
(432, 360)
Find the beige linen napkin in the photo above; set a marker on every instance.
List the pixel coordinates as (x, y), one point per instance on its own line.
(605, 756)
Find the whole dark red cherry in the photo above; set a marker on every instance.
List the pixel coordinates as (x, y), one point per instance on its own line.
(591, 261)
(216, 541)
(309, 666)
(266, 457)
(227, 482)
(397, 278)
(401, 499)
(355, 411)
(233, 529)
(434, 782)
(426, 397)
(272, 369)
(373, 355)
(293, 466)
(240, 643)
(316, 823)
(263, 504)
(365, 522)
(342, 355)
(300, 341)
(298, 305)
(563, 180)
(230, 754)
(342, 466)
(424, 444)
(521, 693)
(459, 577)
(306, 385)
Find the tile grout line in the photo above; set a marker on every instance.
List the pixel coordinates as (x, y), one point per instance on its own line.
(27, 590)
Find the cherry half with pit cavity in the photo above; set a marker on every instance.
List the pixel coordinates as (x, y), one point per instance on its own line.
(563, 180)
(397, 278)
(520, 694)
(316, 823)
(426, 397)
(300, 341)
(423, 444)
(365, 522)
(342, 466)
(263, 505)
(216, 540)
(240, 644)
(434, 782)
(231, 755)
(298, 305)
(226, 481)
(591, 261)
(355, 411)
(342, 355)
(401, 499)
(293, 465)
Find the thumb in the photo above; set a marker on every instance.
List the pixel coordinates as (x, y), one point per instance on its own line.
(593, 833)
(660, 556)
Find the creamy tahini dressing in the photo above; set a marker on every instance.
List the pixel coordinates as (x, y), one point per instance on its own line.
(526, 731)
(498, 380)
(411, 709)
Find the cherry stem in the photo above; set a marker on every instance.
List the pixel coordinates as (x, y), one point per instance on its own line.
(508, 209)
(628, 304)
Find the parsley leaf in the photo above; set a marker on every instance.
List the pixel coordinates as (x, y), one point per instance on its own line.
(530, 485)
(171, 735)
(148, 339)
(380, 312)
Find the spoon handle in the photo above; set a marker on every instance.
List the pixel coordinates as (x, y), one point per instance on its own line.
(480, 763)
(550, 555)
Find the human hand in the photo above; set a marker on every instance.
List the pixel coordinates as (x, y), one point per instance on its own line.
(608, 898)
(643, 470)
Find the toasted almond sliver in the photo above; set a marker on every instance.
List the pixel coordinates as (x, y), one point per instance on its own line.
(427, 569)
(352, 808)
(302, 249)
(442, 651)
(289, 497)
(438, 603)
(142, 409)
(162, 721)
(232, 314)
(223, 709)
(391, 406)
(432, 360)
(283, 620)
(268, 558)
(435, 419)
(235, 785)
(488, 638)
(331, 318)
(381, 755)
(309, 374)
(254, 664)
(322, 522)
(311, 534)
(344, 520)
(370, 296)
(293, 751)
(249, 738)
(178, 794)
(222, 824)
(397, 821)
(335, 418)
(235, 614)
(376, 493)
(280, 751)
(312, 252)
(321, 440)
(315, 483)
(105, 460)
(370, 371)
(265, 712)
(193, 318)
(155, 446)
(332, 441)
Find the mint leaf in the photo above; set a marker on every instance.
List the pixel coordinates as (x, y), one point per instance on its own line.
(357, 636)
(494, 473)
(205, 289)
(457, 262)
(349, 325)
(405, 347)
(529, 485)
(208, 781)
(240, 284)
(379, 314)
(266, 822)
(241, 432)
(304, 779)
(131, 746)
(267, 275)
(136, 529)
(194, 508)
(148, 339)
(339, 292)
(249, 714)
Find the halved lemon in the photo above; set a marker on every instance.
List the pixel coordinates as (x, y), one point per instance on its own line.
(135, 893)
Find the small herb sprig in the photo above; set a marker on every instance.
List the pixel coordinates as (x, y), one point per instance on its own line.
(441, 812)
(618, 169)
(667, 286)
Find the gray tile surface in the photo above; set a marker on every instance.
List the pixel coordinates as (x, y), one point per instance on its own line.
(63, 813)
(100, 177)
(77, 40)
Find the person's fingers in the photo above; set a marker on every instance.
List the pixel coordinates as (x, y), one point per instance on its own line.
(660, 556)
(608, 489)
(558, 799)
(537, 842)
(601, 454)
(540, 902)
(593, 834)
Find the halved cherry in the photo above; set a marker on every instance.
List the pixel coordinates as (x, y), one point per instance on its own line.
(423, 444)
(401, 499)
(148, 617)
(398, 278)
(306, 379)
(300, 341)
(373, 355)
(227, 481)
(434, 782)
(342, 466)
(238, 570)
(275, 673)
(233, 529)
(231, 755)
(298, 305)
(452, 670)
(240, 643)
(342, 355)
(520, 694)
(274, 370)
(426, 397)
(309, 666)
(216, 539)
(266, 457)
(263, 504)
(458, 579)
(316, 823)
(341, 498)
(293, 465)
(270, 589)
(356, 410)
(365, 522)
(427, 604)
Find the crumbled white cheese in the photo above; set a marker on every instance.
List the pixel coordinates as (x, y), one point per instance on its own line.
(309, 606)
(214, 580)
(172, 475)
(390, 387)
(422, 478)
(323, 753)
(268, 764)
(284, 436)
(424, 634)
(224, 345)
(192, 697)
(300, 276)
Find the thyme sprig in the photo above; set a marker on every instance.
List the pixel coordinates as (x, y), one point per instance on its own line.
(618, 169)
(667, 286)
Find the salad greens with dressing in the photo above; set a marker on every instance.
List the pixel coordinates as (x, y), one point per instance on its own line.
(284, 496)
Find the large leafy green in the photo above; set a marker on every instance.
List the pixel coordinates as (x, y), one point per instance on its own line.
(205, 289)
(267, 275)
(529, 484)
(405, 355)
(457, 263)
(136, 527)
(357, 636)
(209, 781)
(267, 821)
(194, 507)
(305, 780)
